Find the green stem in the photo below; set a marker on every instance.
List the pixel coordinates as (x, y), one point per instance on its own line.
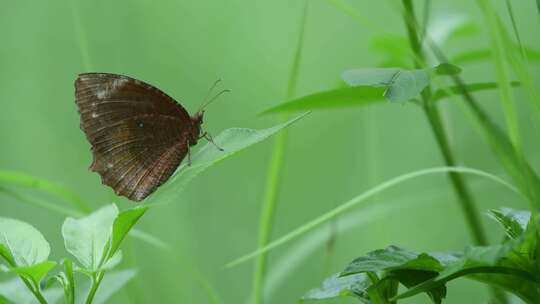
(96, 280)
(267, 215)
(470, 210)
(35, 291)
(273, 177)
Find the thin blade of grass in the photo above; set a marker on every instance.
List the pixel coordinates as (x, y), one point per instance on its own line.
(274, 173)
(519, 62)
(514, 25)
(342, 208)
(513, 162)
(337, 98)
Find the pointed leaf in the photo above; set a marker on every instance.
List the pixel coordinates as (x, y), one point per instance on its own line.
(123, 224)
(447, 69)
(36, 272)
(401, 85)
(21, 244)
(336, 98)
(513, 221)
(336, 287)
(231, 140)
(88, 238)
(392, 258)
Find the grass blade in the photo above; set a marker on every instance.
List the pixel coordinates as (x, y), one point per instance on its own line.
(361, 198)
(274, 174)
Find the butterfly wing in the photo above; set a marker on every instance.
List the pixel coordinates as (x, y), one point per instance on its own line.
(139, 135)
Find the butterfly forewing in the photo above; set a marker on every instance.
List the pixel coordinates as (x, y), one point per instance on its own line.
(138, 133)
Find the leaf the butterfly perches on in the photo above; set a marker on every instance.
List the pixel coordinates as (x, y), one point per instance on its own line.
(139, 135)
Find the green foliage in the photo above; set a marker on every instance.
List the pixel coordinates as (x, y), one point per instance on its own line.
(511, 265)
(338, 286)
(93, 240)
(400, 73)
(22, 245)
(400, 85)
(231, 141)
(88, 238)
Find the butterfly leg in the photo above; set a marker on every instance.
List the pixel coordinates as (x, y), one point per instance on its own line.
(189, 156)
(209, 137)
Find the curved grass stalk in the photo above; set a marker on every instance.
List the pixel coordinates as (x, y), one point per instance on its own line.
(363, 197)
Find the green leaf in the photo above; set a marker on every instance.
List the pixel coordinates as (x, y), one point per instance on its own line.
(88, 238)
(504, 265)
(112, 283)
(336, 98)
(337, 287)
(21, 244)
(231, 140)
(122, 225)
(446, 69)
(407, 267)
(411, 278)
(401, 85)
(392, 258)
(36, 272)
(513, 221)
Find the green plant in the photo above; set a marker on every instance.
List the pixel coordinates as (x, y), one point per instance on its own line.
(94, 242)
(512, 265)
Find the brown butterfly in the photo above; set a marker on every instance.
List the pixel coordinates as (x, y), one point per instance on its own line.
(139, 135)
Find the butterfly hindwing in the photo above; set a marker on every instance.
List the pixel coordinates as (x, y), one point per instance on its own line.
(139, 135)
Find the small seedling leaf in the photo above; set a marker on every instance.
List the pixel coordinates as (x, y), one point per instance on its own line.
(21, 244)
(88, 238)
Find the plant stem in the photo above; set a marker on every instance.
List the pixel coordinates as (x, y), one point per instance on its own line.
(96, 280)
(35, 291)
(273, 177)
(468, 206)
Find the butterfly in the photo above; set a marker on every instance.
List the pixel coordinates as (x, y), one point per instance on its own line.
(139, 135)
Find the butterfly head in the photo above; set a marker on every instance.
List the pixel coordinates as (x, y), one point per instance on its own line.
(196, 130)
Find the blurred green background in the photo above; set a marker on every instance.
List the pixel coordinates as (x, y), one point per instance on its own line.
(182, 47)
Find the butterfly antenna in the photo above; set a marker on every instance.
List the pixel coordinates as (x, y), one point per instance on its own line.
(214, 98)
(208, 94)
